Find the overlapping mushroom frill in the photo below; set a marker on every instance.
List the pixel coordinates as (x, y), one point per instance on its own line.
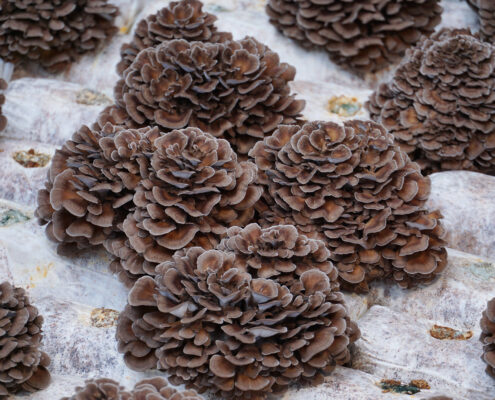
(488, 337)
(53, 32)
(364, 35)
(183, 19)
(486, 12)
(144, 193)
(261, 311)
(353, 187)
(440, 104)
(3, 120)
(237, 90)
(22, 363)
(150, 389)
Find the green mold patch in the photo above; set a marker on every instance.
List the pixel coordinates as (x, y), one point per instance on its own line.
(11, 217)
(483, 270)
(446, 333)
(394, 386)
(344, 106)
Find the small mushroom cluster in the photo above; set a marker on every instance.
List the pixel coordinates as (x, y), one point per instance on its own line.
(351, 186)
(488, 337)
(152, 389)
(440, 103)
(261, 311)
(237, 90)
(22, 363)
(365, 35)
(486, 13)
(3, 120)
(180, 20)
(53, 33)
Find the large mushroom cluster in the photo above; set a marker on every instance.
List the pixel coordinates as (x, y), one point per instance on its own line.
(152, 389)
(488, 337)
(365, 35)
(53, 32)
(440, 104)
(22, 363)
(261, 311)
(353, 187)
(486, 13)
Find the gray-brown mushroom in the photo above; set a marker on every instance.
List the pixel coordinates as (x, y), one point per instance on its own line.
(53, 33)
(488, 337)
(486, 13)
(184, 19)
(23, 366)
(237, 90)
(352, 187)
(440, 105)
(149, 389)
(365, 35)
(260, 312)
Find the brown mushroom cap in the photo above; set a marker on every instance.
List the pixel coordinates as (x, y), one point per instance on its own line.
(352, 187)
(53, 33)
(3, 120)
(488, 337)
(152, 389)
(22, 363)
(184, 19)
(440, 105)
(237, 90)
(261, 311)
(486, 13)
(364, 35)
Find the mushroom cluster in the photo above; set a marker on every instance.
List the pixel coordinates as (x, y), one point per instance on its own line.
(3, 120)
(237, 90)
(22, 363)
(486, 12)
(440, 104)
(488, 337)
(351, 186)
(261, 311)
(152, 389)
(53, 32)
(183, 19)
(364, 36)
(143, 193)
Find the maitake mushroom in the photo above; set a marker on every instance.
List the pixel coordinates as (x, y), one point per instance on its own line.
(365, 35)
(22, 363)
(351, 186)
(152, 389)
(237, 90)
(440, 104)
(193, 190)
(184, 19)
(53, 32)
(260, 312)
(91, 183)
(486, 12)
(3, 120)
(488, 337)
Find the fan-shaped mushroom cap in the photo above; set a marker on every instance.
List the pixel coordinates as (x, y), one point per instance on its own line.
(488, 337)
(486, 13)
(352, 187)
(364, 35)
(259, 312)
(3, 120)
(439, 105)
(53, 33)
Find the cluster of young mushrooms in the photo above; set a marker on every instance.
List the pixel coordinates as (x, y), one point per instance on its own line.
(234, 222)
